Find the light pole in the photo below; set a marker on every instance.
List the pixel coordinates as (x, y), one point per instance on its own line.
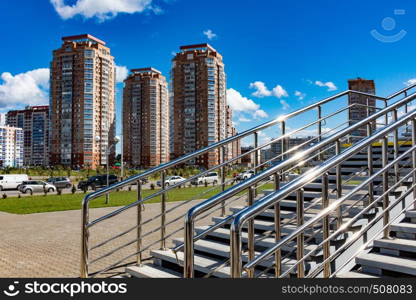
(108, 149)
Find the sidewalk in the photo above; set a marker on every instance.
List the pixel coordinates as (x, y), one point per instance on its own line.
(47, 245)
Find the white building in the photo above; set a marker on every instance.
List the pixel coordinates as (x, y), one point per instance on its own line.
(11, 146)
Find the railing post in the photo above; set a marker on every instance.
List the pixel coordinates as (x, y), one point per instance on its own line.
(278, 230)
(84, 241)
(235, 254)
(386, 117)
(163, 212)
(370, 165)
(301, 236)
(284, 146)
(139, 223)
(256, 157)
(338, 184)
(188, 268)
(326, 225)
(319, 130)
(414, 157)
(396, 147)
(386, 214)
(223, 152)
(251, 196)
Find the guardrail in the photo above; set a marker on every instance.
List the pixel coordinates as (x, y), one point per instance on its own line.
(221, 147)
(248, 214)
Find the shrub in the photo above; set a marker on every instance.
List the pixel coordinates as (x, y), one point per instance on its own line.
(19, 195)
(4, 196)
(59, 192)
(152, 187)
(206, 184)
(73, 190)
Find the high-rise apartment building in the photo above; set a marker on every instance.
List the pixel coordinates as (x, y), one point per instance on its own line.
(82, 103)
(364, 105)
(34, 120)
(145, 119)
(199, 108)
(11, 147)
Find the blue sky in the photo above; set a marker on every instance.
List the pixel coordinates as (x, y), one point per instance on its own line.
(281, 47)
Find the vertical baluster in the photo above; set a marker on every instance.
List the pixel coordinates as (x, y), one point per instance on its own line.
(84, 240)
(278, 230)
(338, 184)
(163, 212)
(251, 196)
(223, 160)
(319, 130)
(284, 149)
(139, 223)
(326, 225)
(414, 157)
(396, 147)
(301, 236)
(386, 117)
(370, 165)
(386, 215)
(256, 156)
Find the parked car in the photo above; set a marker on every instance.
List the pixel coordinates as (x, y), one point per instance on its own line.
(12, 181)
(60, 182)
(210, 178)
(172, 180)
(33, 186)
(97, 182)
(246, 175)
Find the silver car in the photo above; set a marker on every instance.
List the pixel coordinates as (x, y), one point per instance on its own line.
(34, 186)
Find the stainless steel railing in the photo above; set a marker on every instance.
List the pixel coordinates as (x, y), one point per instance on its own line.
(209, 204)
(140, 200)
(248, 214)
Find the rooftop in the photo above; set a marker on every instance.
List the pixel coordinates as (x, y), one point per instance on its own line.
(83, 38)
(146, 70)
(197, 47)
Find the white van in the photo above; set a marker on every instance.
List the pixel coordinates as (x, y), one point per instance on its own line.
(11, 181)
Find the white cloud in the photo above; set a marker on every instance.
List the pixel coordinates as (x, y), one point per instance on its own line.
(279, 92)
(259, 114)
(210, 34)
(261, 89)
(241, 104)
(330, 85)
(285, 105)
(300, 95)
(102, 9)
(30, 88)
(410, 82)
(243, 119)
(121, 73)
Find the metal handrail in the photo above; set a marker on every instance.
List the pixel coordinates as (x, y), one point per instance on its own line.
(251, 212)
(339, 202)
(217, 199)
(86, 224)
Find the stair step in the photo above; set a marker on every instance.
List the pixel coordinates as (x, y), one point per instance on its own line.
(152, 271)
(356, 275)
(270, 213)
(266, 226)
(266, 243)
(207, 265)
(411, 214)
(397, 244)
(404, 227)
(378, 262)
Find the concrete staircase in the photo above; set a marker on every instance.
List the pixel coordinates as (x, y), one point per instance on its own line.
(393, 257)
(212, 252)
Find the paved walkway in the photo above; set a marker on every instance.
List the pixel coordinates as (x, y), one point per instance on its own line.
(47, 245)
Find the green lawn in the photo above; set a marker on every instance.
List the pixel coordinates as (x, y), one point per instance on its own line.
(51, 203)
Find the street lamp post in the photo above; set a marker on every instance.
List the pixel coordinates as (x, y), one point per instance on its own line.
(108, 149)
